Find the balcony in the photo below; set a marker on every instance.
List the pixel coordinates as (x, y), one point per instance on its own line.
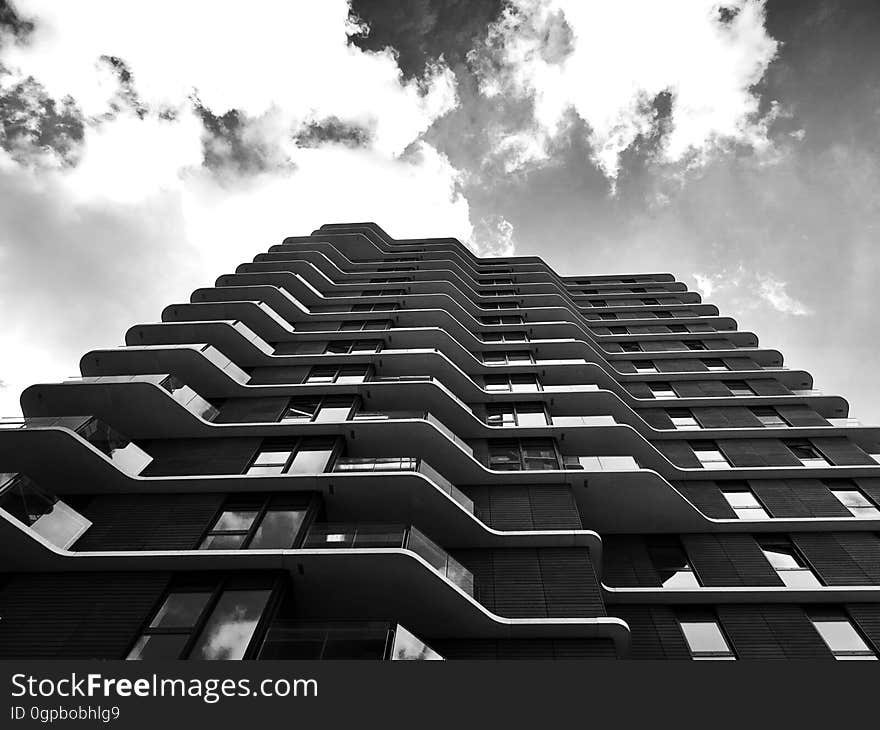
(123, 452)
(291, 639)
(371, 535)
(403, 463)
(42, 512)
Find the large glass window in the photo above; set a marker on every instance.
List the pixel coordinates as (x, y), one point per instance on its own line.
(769, 417)
(787, 561)
(808, 454)
(850, 496)
(301, 456)
(214, 621)
(515, 383)
(344, 374)
(662, 390)
(523, 455)
(841, 637)
(516, 414)
(705, 639)
(360, 325)
(644, 366)
(257, 523)
(683, 419)
(709, 455)
(744, 502)
(345, 347)
(671, 563)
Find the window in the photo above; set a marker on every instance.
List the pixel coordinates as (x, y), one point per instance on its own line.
(768, 417)
(680, 328)
(599, 303)
(704, 638)
(651, 302)
(339, 375)
(709, 455)
(498, 305)
(301, 456)
(671, 563)
(510, 357)
(683, 419)
(807, 453)
(630, 347)
(738, 387)
(694, 344)
(523, 455)
(851, 497)
(382, 292)
(503, 337)
(787, 561)
(644, 366)
(357, 325)
(619, 330)
(714, 364)
(208, 621)
(607, 315)
(840, 636)
(257, 523)
(381, 463)
(517, 414)
(743, 501)
(663, 315)
(662, 390)
(320, 410)
(378, 307)
(344, 347)
(514, 383)
(507, 319)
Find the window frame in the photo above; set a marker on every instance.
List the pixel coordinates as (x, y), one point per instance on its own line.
(263, 503)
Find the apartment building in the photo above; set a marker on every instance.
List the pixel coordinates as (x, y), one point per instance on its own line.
(361, 447)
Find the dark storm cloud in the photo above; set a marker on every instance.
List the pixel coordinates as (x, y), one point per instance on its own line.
(126, 96)
(33, 124)
(420, 31)
(228, 146)
(333, 131)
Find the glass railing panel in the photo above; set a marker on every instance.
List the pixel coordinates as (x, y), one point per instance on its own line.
(407, 647)
(583, 420)
(437, 423)
(43, 512)
(440, 560)
(569, 388)
(447, 486)
(601, 463)
(390, 463)
(292, 639)
(339, 535)
(188, 398)
(845, 422)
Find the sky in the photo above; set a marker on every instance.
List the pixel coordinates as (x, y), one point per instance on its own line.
(147, 148)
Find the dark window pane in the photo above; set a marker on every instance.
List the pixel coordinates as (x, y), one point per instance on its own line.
(158, 646)
(180, 610)
(278, 529)
(231, 626)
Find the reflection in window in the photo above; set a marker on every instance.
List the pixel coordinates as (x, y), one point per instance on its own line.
(787, 561)
(808, 454)
(302, 456)
(744, 503)
(709, 455)
(407, 647)
(671, 563)
(231, 625)
(705, 639)
(216, 621)
(256, 523)
(840, 636)
(851, 497)
(521, 455)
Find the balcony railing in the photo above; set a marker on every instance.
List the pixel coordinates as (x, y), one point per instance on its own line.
(403, 463)
(123, 452)
(292, 639)
(41, 511)
(372, 535)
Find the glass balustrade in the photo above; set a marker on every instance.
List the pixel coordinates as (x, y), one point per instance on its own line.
(123, 452)
(292, 639)
(188, 398)
(41, 511)
(373, 535)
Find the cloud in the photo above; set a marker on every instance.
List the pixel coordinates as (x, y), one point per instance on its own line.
(129, 177)
(608, 63)
(773, 291)
(493, 237)
(745, 290)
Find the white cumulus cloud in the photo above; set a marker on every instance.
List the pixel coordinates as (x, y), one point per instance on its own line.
(608, 61)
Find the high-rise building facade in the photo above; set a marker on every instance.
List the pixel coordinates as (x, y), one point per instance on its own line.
(360, 447)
